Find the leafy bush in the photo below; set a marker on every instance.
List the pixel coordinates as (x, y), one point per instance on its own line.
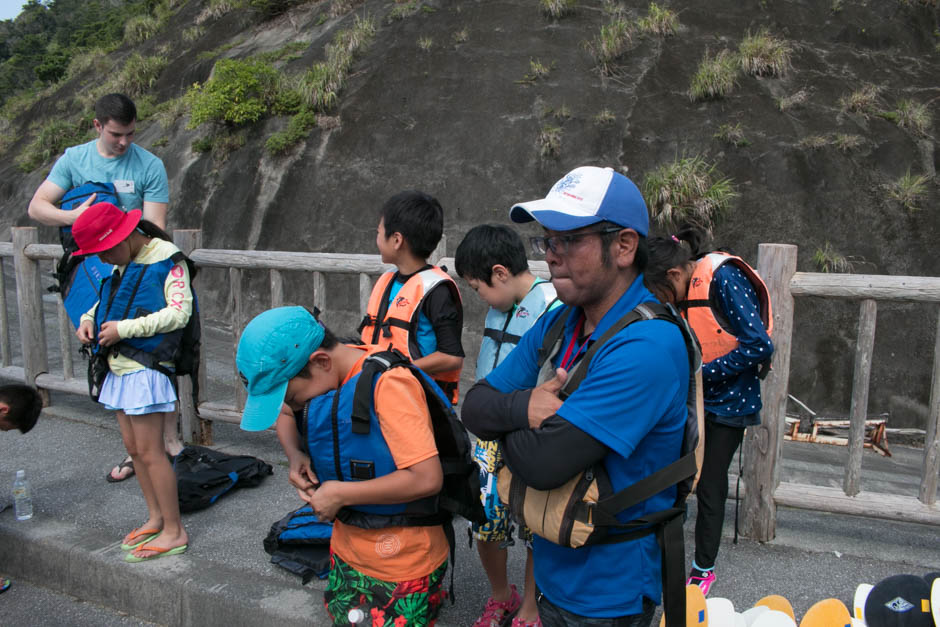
(140, 73)
(764, 55)
(239, 92)
(51, 140)
(557, 8)
(659, 21)
(715, 78)
(687, 190)
(297, 129)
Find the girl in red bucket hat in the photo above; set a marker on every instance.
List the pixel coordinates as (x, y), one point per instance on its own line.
(135, 326)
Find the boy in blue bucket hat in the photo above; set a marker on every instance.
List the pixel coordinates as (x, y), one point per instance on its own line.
(298, 374)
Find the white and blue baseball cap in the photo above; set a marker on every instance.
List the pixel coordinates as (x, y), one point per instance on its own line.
(273, 348)
(586, 196)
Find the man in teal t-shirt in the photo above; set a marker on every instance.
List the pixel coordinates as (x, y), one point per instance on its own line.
(140, 181)
(138, 176)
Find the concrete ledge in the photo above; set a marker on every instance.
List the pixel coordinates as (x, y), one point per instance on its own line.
(182, 590)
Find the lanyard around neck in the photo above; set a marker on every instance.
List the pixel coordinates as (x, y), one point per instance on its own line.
(569, 359)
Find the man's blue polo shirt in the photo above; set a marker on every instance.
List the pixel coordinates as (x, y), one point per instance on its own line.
(633, 400)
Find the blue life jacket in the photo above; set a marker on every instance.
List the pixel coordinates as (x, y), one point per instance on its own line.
(139, 293)
(503, 329)
(78, 278)
(342, 436)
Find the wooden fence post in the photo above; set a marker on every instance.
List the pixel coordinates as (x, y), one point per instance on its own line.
(194, 429)
(776, 263)
(931, 467)
(867, 315)
(29, 307)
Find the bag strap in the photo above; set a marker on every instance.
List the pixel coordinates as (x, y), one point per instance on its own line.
(375, 364)
(553, 336)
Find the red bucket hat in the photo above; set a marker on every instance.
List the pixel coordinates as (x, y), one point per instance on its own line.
(103, 226)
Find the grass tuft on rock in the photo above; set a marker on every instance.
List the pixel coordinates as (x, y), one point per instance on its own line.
(659, 21)
(716, 76)
(909, 190)
(689, 189)
(610, 44)
(828, 260)
(557, 8)
(762, 54)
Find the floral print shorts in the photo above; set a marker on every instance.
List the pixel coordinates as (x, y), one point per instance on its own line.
(414, 603)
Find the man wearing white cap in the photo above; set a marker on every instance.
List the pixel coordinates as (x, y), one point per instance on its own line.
(628, 413)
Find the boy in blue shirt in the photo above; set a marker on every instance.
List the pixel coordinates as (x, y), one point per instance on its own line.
(492, 259)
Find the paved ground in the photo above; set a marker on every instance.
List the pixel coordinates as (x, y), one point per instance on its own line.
(71, 545)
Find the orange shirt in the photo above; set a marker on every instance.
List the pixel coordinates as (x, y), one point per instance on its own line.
(396, 553)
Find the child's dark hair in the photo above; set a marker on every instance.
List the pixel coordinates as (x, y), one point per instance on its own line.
(487, 245)
(117, 107)
(150, 229)
(329, 342)
(673, 251)
(418, 217)
(25, 404)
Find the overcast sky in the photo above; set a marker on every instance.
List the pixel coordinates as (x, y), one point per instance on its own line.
(10, 8)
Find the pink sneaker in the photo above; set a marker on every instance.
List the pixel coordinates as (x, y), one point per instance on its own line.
(518, 622)
(496, 613)
(702, 578)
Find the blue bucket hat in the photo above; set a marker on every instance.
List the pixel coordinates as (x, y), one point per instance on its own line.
(586, 196)
(273, 348)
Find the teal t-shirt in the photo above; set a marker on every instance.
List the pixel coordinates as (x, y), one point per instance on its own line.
(138, 175)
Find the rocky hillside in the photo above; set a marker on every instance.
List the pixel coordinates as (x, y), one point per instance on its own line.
(813, 124)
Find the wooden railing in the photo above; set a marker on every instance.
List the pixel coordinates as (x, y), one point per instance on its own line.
(776, 263)
(763, 489)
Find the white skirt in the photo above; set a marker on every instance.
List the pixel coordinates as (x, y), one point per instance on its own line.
(137, 393)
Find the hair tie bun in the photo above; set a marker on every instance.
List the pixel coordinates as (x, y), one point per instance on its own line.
(675, 239)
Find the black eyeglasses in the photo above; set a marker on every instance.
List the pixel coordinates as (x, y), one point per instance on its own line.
(559, 244)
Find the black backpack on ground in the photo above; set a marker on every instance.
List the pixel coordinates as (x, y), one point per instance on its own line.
(300, 543)
(204, 475)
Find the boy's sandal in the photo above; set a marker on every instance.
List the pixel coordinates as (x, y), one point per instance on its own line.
(4, 584)
(127, 463)
(158, 552)
(131, 541)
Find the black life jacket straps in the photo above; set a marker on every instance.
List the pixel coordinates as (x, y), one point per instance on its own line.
(362, 399)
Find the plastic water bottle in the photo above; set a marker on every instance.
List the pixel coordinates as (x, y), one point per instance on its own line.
(356, 616)
(22, 501)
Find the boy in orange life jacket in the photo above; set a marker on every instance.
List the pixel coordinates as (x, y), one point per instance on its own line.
(416, 308)
(393, 574)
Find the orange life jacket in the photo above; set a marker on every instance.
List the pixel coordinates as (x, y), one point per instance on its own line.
(700, 307)
(399, 319)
